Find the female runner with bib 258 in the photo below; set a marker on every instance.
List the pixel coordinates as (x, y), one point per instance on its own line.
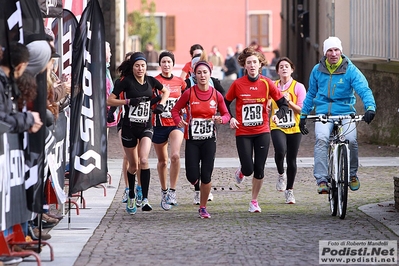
(137, 128)
(202, 103)
(251, 123)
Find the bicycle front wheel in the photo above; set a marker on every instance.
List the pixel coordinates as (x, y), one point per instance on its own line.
(343, 177)
(333, 190)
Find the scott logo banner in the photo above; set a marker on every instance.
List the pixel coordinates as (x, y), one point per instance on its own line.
(88, 154)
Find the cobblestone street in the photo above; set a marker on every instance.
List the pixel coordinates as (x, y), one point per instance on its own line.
(281, 234)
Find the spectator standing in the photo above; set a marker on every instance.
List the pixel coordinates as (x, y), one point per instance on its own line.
(215, 57)
(13, 63)
(109, 82)
(152, 56)
(273, 69)
(239, 48)
(286, 136)
(255, 45)
(231, 67)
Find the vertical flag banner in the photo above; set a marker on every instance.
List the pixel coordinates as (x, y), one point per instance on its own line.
(33, 29)
(88, 141)
(13, 197)
(10, 22)
(69, 23)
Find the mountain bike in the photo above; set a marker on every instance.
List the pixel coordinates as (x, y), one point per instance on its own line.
(338, 161)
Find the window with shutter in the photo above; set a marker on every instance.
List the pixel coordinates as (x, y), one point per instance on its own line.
(260, 29)
(170, 33)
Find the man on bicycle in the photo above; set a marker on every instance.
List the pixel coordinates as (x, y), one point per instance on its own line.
(332, 86)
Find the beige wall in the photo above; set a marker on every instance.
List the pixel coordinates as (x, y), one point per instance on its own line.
(342, 23)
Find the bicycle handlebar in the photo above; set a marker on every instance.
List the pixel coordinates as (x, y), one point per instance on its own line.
(326, 118)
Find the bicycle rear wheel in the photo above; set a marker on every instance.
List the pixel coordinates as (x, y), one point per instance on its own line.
(343, 177)
(333, 191)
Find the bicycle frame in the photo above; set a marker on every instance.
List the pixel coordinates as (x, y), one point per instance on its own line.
(339, 169)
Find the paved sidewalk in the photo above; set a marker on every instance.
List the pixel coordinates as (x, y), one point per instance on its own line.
(103, 234)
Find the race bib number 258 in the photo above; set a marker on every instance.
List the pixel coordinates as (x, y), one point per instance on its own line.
(252, 115)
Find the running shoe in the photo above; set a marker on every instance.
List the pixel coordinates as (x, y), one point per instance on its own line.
(203, 214)
(196, 198)
(354, 184)
(139, 196)
(164, 204)
(254, 206)
(210, 196)
(131, 207)
(239, 176)
(289, 196)
(323, 188)
(146, 207)
(171, 198)
(125, 195)
(280, 185)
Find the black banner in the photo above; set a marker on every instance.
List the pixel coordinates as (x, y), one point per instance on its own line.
(51, 9)
(10, 22)
(56, 156)
(14, 202)
(68, 35)
(33, 28)
(88, 141)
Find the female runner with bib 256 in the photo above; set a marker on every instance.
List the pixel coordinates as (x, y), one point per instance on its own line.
(137, 128)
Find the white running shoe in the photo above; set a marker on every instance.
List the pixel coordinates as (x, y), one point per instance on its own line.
(125, 195)
(171, 199)
(254, 206)
(146, 206)
(289, 196)
(196, 198)
(164, 204)
(239, 176)
(210, 197)
(280, 185)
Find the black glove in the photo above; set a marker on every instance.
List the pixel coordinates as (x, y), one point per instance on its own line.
(136, 101)
(302, 126)
(159, 109)
(156, 99)
(110, 114)
(369, 116)
(282, 107)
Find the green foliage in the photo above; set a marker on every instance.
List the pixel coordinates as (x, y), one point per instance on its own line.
(142, 25)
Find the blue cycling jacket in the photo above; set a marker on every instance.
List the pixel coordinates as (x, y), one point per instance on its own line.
(334, 94)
